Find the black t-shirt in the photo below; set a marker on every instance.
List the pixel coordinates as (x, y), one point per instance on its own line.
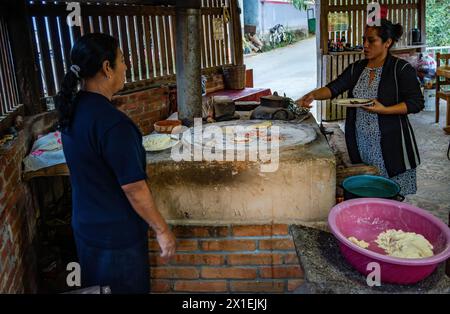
(103, 150)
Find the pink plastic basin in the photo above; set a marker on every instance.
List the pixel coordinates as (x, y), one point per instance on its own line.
(366, 218)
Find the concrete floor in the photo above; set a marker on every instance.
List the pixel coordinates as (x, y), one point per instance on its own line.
(433, 175)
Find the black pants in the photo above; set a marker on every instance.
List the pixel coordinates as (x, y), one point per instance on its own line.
(124, 270)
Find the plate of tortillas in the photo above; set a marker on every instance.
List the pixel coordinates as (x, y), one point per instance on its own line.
(158, 142)
(353, 102)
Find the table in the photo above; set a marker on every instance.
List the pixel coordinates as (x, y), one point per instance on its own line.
(443, 71)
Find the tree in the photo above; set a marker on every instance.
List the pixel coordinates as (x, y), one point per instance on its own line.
(301, 4)
(438, 23)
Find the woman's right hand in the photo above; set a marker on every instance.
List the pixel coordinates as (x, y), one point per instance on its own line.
(306, 100)
(167, 243)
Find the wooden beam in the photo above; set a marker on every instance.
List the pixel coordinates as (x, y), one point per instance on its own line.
(39, 9)
(238, 52)
(421, 17)
(24, 54)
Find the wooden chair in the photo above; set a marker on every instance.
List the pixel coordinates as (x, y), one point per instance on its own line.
(441, 94)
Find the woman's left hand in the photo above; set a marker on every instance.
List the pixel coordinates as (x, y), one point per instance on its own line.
(377, 107)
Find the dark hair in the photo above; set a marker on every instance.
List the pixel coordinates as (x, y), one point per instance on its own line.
(388, 30)
(88, 54)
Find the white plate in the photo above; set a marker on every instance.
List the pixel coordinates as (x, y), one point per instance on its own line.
(348, 102)
(158, 142)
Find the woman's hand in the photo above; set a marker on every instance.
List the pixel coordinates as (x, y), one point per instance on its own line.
(167, 243)
(377, 107)
(305, 101)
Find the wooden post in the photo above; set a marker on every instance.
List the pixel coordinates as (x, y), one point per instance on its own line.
(24, 54)
(321, 43)
(421, 16)
(237, 48)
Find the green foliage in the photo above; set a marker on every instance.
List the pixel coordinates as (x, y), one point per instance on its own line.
(300, 4)
(438, 23)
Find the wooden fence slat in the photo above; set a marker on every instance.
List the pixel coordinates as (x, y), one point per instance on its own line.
(165, 43)
(162, 45)
(5, 81)
(123, 37)
(140, 47)
(45, 55)
(208, 54)
(133, 48)
(219, 43)
(174, 28)
(148, 47)
(56, 49)
(227, 43)
(95, 24)
(156, 45)
(65, 41)
(114, 28)
(171, 43)
(404, 37)
(333, 77)
(213, 41)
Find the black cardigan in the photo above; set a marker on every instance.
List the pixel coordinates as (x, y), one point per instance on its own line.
(398, 84)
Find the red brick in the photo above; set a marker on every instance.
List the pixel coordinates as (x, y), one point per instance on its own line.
(255, 259)
(182, 245)
(228, 273)
(228, 245)
(174, 272)
(293, 284)
(155, 259)
(9, 170)
(200, 286)
(158, 285)
(199, 232)
(143, 96)
(271, 286)
(259, 230)
(276, 244)
(154, 116)
(198, 259)
(291, 258)
(281, 272)
(12, 201)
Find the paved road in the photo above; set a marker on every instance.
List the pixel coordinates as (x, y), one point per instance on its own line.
(290, 70)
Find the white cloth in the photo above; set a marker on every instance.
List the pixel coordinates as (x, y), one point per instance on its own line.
(46, 151)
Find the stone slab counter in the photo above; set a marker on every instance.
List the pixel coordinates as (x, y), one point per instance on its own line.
(301, 189)
(326, 270)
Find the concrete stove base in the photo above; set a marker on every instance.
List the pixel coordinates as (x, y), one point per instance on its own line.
(301, 190)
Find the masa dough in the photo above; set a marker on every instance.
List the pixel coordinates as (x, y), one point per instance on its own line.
(360, 243)
(398, 243)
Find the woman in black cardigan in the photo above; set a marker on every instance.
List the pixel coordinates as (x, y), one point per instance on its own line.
(381, 134)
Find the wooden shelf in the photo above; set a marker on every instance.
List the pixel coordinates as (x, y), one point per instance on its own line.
(343, 53)
(411, 48)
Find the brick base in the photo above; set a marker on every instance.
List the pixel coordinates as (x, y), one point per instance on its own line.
(228, 259)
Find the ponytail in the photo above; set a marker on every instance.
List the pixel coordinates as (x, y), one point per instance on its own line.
(87, 56)
(65, 99)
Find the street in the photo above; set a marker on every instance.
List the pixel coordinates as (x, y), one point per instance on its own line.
(290, 70)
